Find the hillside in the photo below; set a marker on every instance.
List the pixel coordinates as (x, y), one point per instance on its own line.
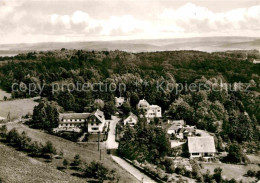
(16, 167)
(88, 153)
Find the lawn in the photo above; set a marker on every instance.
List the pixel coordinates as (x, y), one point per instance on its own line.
(88, 152)
(230, 171)
(17, 108)
(16, 167)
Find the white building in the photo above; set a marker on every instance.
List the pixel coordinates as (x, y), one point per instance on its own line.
(96, 122)
(256, 61)
(119, 101)
(131, 120)
(201, 147)
(75, 122)
(151, 111)
(72, 122)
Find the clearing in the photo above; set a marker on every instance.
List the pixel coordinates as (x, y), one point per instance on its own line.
(230, 171)
(17, 108)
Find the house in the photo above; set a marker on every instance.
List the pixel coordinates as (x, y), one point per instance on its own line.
(151, 111)
(131, 120)
(119, 101)
(256, 61)
(74, 122)
(186, 131)
(201, 147)
(176, 125)
(96, 122)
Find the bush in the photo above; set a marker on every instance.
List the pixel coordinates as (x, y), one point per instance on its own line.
(77, 161)
(251, 173)
(97, 170)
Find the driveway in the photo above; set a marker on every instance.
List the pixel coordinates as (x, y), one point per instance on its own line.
(135, 172)
(111, 139)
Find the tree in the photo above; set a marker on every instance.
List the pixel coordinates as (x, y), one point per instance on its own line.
(48, 149)
(217, 175)
(3, 131)
(109, 109)
(126, 107)
(45, 115)
(77, 160)
(235, 154)
(65, 163)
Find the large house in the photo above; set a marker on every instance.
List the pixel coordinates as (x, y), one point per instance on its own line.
(131, 120)
(151, 111)
(96, 122)
(201, 147)
(74, 122)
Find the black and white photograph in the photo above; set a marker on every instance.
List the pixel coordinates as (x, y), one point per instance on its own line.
(129, 91)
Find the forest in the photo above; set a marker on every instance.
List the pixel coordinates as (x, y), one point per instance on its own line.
(230, 113)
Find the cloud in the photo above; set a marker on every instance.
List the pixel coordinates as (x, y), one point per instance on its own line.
(20, 22)
(195, 18)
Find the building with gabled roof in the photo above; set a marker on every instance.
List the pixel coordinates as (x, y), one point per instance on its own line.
(151, 111)
(201, 147)
(74, 122)
(96, 122)
(131, 120)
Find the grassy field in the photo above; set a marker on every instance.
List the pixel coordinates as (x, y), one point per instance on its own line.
(88, 152)
(230, 171)
(17, 108)
(16, 167)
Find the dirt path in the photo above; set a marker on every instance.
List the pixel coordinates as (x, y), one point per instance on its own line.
(111, 139)
(135, 172)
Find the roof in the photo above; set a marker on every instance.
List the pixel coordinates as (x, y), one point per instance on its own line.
(143, 103)
(74, 115)
(132, 115)
(175, 127)
(99, 114)
(154, 106)
(119, 99)
(201, 144)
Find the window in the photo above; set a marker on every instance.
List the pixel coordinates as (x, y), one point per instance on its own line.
(195, 154)
(97, 124)
(92, 124)
(95, 128)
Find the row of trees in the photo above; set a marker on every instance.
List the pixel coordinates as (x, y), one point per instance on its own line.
(24, 143)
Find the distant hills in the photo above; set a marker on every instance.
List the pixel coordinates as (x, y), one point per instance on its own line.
(208, 44)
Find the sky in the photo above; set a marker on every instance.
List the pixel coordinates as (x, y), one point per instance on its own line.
(30, 21)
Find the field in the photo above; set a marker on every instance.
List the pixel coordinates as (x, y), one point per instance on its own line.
(88, 152)
(230, 171)
(17, 167)
(17, 108)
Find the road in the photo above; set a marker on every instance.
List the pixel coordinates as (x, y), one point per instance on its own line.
(111, 139)
(135, 172)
